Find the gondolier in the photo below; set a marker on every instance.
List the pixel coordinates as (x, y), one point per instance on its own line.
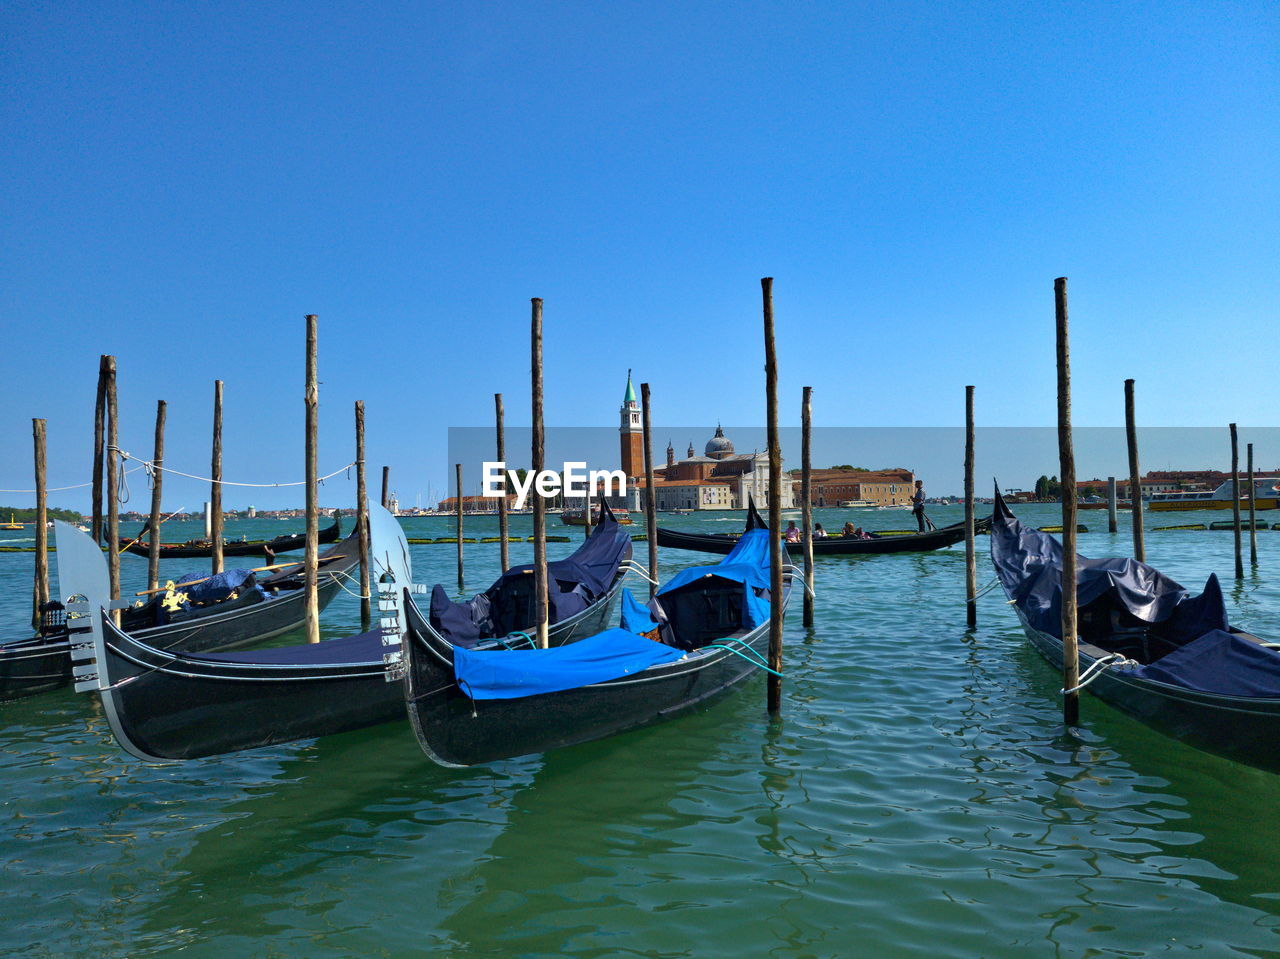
(917, 507)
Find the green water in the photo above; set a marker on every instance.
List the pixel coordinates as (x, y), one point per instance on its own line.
(917, 798)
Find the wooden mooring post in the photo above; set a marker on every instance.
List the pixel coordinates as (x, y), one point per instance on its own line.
(539, 504)
(215, 486)
(775, 500)
(1111, 504)
(1253, 495)
(40, 588)
(157, 490)
(311, 401)
(113, 485)
(970, 545)
(99, 442)
(457, 484)
(1135, 474)
(386, 487)
(806, 495)
(1235, 499)
(650, 501)
(362, 524)
(1067, 470)
(504, 537)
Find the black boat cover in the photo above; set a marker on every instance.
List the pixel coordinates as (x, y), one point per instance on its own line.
(360, 648)
(1195, 648)
(573, 584)
(1029, 564)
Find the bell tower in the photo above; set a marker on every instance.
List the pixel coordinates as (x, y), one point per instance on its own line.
(631, 433)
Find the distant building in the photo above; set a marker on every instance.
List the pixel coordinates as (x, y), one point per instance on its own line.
(720, 478)
(831, 487)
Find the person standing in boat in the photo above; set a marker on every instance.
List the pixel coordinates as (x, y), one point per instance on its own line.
(917, 504)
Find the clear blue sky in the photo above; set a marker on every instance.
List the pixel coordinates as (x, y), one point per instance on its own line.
(182, 182)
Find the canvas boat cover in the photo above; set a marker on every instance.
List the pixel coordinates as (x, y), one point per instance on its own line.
(511, 674)
(1200, 651)
(747, 563)
(573, 584)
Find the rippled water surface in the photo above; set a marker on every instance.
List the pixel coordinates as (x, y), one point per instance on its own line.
(918, 797)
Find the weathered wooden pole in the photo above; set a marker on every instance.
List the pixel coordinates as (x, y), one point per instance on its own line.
(113, 485)
(970, 545)
(504, 547)
(457, 484)
(1235, 499)
(40, 591)
(362, 523)
(650, 499)
(311, 400)
(99, 441)
(1067, 470)
(586, 508)
(386, 487)
(806, 508)
(775, 500)
(1135, 475)
(215, 487)
(157, 487)
(539, 504)
(1111, 504)
(1253, 495)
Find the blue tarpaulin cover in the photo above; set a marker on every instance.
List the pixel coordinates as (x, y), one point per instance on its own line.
(747, 563)
(636, 618)
(215, 588)
(510, 674)
(1218, 662)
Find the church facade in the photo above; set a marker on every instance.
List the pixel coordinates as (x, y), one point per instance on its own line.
(721, 478)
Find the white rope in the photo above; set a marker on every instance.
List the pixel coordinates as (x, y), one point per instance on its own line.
(151, 469)
(1094, 671)
(988, 588)
(339, 576)
(63, 489)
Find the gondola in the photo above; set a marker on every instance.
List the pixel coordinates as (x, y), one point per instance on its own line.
(1147, 646)
(704, 633)
(197, 548)
(262, 608)
(829, 545)
(166, 706)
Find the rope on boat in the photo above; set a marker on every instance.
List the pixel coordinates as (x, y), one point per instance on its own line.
(152, 469)
(754, 658)
(339, 576)
(633, 568)
(798, 573)
(988, 588)
(1096, 670)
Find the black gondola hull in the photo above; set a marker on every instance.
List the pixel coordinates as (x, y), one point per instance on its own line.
(831, 545)
(1242, 729)
(280, 544)
(32, 666)
(166, 708)
(455, 731)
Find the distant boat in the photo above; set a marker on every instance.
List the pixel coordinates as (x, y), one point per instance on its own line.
(11, 524)
(856, 504)
(574, 517)
(1266, 490)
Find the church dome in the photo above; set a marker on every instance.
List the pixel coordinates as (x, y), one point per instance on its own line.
(718, 447)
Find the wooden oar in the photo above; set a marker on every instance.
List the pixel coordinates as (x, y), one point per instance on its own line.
(256, 569)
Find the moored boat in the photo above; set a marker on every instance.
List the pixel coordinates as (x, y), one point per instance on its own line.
(704, 633)
(575, 517)
(1147, 646)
